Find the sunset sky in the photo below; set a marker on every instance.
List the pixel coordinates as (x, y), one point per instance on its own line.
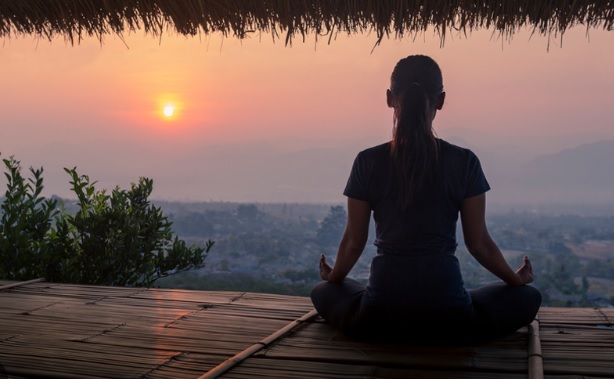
(101, 107)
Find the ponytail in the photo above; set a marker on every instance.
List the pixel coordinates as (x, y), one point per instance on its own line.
(414, 146)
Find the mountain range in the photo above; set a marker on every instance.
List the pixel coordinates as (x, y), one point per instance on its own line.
(580, 175)
(260, 172)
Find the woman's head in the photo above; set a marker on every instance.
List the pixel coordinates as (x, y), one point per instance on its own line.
(416, 83)
(417, 69)
(416, 93)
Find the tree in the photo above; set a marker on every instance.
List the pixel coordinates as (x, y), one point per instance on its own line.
(116, 239)
(248, 212)
(332, 227)
(25, 224)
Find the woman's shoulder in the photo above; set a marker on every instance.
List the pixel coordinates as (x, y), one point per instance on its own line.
(451, 149)
(384, 147)
(376, 151)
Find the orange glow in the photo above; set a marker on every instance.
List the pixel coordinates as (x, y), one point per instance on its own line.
(231, 95)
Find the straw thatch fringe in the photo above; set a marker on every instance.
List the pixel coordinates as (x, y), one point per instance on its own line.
(75, 19)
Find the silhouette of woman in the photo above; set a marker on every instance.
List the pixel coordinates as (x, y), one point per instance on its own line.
(416, 186)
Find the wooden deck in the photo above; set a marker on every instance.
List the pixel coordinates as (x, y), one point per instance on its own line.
(50, 330)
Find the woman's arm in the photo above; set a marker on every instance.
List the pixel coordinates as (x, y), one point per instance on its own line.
(352, 243)
(484, 249)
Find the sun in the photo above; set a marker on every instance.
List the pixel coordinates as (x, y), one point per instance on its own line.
(169, 107)
(168, 111)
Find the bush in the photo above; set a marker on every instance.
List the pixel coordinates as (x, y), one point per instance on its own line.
(25, 226)
(117, 239)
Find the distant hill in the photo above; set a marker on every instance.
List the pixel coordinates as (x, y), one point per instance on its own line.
(583, 174)
(266, 173)
(583, 167)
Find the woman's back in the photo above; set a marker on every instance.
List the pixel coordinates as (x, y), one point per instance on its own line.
(429, 223)
(415, 264)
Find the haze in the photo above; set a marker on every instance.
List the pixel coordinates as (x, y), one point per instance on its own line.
(256, 121)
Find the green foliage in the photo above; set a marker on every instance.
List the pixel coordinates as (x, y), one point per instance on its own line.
(25, 225)
(117, 239)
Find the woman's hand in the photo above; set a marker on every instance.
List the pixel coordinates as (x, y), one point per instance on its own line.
(525, 271)
(325, 268)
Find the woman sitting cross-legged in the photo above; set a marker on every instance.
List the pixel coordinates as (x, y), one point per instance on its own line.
(416, 186)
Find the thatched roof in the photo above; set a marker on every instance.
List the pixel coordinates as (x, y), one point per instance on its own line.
(286, 19)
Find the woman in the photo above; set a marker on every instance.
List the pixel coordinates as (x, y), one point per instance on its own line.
(416, 185)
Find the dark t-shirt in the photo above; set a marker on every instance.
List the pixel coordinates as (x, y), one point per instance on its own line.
(415, 264)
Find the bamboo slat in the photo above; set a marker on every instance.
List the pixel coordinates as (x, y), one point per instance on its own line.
(265, 342)
(148, 329)
(70, 331)
(536, 362)
(575, 316)
(577, 342)
(268, 368)
(13, 285)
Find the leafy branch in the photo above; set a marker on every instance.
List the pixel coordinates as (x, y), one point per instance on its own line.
(112, 239)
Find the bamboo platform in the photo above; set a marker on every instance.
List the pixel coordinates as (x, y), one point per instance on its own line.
(50, 330)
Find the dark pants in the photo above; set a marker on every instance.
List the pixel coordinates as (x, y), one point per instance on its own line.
(496, 310)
